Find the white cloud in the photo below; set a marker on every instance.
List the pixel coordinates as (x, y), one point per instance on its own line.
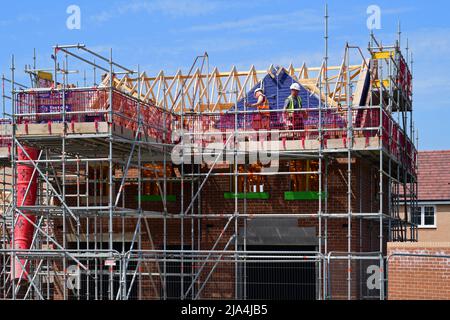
(301, 20)
(221, 45)
(174, 8)
(433, 42)
(397, 11)
(430, 82)
(22, 18)
(103, 16)
(28, 17)
(312, 59)
(104, 48)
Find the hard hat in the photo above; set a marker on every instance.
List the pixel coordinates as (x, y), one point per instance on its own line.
(258, 90)
(295, 86)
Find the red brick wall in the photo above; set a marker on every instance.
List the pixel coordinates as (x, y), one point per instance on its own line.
(364, 184)
(419, 278)
(364, 199)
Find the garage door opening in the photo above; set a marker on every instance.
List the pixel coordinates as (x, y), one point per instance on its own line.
(280, 280)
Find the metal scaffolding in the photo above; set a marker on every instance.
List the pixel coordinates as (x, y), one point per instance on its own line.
(106, 150)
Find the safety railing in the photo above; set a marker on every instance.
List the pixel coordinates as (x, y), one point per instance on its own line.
(92, 105)
(404, 76)
(48, 105)
(304, 125)
(155, 122)
(212, 275)
(227, 274)
(89, 105)
(354, 276)
(398, 143)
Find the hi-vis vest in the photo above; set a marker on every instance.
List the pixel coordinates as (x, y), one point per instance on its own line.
(290, 106)
(264, 107)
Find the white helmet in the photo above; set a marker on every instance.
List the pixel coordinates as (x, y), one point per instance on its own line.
(258, 90)
(295, 86)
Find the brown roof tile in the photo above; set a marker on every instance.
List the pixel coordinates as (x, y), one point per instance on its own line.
(434, 175)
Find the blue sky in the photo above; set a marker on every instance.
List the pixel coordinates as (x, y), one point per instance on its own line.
(169, 34)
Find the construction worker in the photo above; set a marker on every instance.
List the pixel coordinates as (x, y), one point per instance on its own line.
(262, 119)
(294, 101)
(292, 105)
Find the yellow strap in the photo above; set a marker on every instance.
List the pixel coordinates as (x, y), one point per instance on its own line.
(382, 55)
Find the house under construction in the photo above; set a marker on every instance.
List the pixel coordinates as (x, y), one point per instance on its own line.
(171, 187)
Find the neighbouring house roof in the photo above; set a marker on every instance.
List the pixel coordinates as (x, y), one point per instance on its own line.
(434, 175)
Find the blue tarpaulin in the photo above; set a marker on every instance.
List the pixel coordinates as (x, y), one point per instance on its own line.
(276, 87)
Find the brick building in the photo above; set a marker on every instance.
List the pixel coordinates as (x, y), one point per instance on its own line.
(433, 213)
(117, 216)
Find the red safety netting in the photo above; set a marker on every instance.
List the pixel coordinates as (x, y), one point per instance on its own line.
(93, 105)
(404, 77)
(305, 124)
(44, 106)
(156, 122)
(397, 143)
